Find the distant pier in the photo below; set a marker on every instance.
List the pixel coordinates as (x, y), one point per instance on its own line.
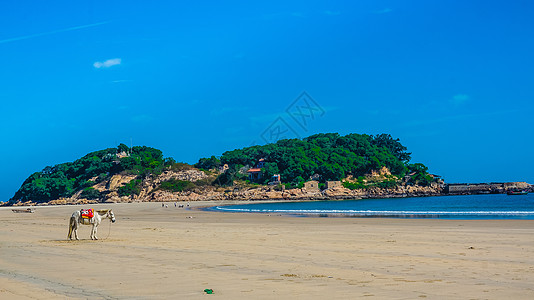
(485, 188)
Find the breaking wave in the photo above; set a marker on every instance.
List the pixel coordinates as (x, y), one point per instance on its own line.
(456, 207)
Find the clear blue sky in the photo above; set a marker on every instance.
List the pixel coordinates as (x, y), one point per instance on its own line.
(452, 79)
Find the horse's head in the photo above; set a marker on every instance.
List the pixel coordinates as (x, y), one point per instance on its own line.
(111, 215)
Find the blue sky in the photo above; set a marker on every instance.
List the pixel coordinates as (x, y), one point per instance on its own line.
(451, 79)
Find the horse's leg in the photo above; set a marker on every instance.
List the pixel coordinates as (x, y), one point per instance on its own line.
(94, 229)
(75, 226)
(93, 232)
(69, 236)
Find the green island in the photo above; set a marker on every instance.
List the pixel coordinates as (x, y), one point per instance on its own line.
(358, 164)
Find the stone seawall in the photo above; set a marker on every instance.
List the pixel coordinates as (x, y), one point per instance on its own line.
(485, 188)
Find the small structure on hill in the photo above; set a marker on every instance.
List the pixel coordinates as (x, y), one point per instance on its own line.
(311, 186)
(223, 168)
(315, 177)
(333, 184)
(254, 174)
(123, 154)
(275, 180)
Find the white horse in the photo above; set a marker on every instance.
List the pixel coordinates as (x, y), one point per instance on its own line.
(76, 219)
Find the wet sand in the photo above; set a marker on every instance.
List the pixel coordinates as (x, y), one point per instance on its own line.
(173, 253)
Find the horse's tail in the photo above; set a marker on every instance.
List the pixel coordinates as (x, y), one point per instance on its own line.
(71, 226)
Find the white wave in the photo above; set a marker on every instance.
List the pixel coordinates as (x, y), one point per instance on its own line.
(374, 212)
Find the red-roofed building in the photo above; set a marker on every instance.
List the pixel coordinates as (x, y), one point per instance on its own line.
(254, 174)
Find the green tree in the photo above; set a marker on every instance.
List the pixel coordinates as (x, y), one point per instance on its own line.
(123, 148)
(90, 193)
(208, 163)
(393, 145)
(131, 188)
(420, 174)
(270, 169)
(175, 185)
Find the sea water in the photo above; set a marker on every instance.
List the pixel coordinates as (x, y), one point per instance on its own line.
(494, 206)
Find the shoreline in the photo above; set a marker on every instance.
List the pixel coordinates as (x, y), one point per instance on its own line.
(207, 204)
(274, 193)
(251, 200)
(267, 195)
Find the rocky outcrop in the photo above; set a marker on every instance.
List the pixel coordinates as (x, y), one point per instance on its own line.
(151, 183)
(115, 182)
(270, 193)
(187, 175)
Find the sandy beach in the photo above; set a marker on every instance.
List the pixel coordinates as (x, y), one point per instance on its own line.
(153, 252)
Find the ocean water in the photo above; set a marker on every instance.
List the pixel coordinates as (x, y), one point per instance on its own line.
(495, 206)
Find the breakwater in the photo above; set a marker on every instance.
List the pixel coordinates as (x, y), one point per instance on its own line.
(485, 188)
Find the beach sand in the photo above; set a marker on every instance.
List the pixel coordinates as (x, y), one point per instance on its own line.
(174, 253)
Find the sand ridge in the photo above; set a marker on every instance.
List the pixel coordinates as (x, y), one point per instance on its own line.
(154, 252)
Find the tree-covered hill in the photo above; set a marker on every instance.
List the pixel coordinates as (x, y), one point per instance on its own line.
(325, 156)
(321, 157)
(64, 180)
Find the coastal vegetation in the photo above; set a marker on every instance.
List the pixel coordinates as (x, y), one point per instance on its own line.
(322, 157)
(175, 185)
(66, 179)
(325, 157)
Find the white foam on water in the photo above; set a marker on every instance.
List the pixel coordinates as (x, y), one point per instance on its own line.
(379, 212)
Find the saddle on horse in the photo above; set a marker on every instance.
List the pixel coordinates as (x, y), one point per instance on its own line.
(87, 213)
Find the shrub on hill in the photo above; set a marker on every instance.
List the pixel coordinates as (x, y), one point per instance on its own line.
(63, 180)
(131, 188)
(175, 185)
(90, 193)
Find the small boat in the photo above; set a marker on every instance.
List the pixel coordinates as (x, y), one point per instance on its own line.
(517, 193)
(27, 210)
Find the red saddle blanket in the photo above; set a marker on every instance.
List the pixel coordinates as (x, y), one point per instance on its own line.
(88, 213)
